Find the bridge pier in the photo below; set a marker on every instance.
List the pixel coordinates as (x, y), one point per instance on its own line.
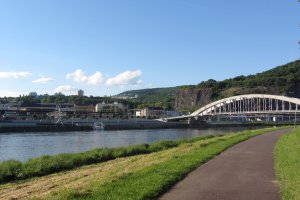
(195, 123)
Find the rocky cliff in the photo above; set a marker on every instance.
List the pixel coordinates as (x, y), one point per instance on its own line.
(190, 99)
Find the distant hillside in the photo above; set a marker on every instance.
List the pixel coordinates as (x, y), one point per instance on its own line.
(163, 97)
(281, 80)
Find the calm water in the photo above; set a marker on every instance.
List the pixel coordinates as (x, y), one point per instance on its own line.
(23, 146)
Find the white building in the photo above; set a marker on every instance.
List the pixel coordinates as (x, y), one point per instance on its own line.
(156, 112)
(152, 112)
(100, 106)
(138, 113)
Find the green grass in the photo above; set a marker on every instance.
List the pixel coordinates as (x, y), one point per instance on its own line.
(287, 164)
(152, 181)
(15, 170)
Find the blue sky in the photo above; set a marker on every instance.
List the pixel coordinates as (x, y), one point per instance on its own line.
(106, 47)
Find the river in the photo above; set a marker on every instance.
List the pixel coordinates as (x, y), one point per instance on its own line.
(23, 146)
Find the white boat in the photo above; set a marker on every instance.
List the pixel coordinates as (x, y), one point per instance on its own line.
(98, 126)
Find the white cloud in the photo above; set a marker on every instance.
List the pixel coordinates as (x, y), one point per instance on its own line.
(125, 78)
(139, 82)
(6, 93)
(15, 75)
(80, 76)
(65, 89)
(43, 80)
(95, 79)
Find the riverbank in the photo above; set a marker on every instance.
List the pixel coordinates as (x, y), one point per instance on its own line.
(141, 124)
(138, 177)
(119, 124)
(7, 126)
(44, 128)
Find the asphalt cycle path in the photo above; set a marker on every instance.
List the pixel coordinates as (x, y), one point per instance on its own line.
(243, 172)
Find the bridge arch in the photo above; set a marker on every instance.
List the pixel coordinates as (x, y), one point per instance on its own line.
(250, 104)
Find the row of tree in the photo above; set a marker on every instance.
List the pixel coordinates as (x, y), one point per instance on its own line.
(284, 79)
(59, 98)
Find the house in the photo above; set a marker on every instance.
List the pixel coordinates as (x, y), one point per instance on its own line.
(152, 112)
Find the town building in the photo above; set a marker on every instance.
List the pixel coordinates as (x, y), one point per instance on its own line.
(138, 113)
(152, 112)
(101, 106)
(33, 94)
(156, 112)
(111, 110)
(84, 109)
(80, 93)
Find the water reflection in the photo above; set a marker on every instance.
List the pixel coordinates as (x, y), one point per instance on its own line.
(23, 146)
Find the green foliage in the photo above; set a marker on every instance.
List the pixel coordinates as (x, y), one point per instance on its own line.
(162, 145)
(9, 170)
(29, 100)
(284, 78)
(287, 165)
(208, 83)
(158, 97)
(59, 98)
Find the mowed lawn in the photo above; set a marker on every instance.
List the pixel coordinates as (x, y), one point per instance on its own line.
(144, 176)
(287, 159)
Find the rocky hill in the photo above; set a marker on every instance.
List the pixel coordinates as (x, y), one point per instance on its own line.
(281, 80)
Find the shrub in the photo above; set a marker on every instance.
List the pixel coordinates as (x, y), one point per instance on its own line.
(162, 145)
(10, 170)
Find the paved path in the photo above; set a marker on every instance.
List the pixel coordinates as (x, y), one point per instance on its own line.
(243, 172)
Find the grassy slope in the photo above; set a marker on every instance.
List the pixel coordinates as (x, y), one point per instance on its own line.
(151, 181)
(15, 170)
(287, 162)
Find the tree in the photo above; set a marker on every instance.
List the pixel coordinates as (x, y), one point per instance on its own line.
(59, 98)
(46, 99)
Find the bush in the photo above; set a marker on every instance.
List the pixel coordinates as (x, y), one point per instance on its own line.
(162, 145)
(97, 155)
(137, 149)
(10, 170)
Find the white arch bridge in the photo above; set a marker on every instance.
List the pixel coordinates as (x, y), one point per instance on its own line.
(250, 104)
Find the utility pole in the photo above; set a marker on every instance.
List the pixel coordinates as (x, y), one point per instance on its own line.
(295, 116)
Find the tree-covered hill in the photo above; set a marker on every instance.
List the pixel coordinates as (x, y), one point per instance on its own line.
(161, 97)
(281, 80)
(284, 80)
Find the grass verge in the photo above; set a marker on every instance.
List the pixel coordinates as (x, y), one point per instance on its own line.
(151, 181)
(287, 164)
(15, 170)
